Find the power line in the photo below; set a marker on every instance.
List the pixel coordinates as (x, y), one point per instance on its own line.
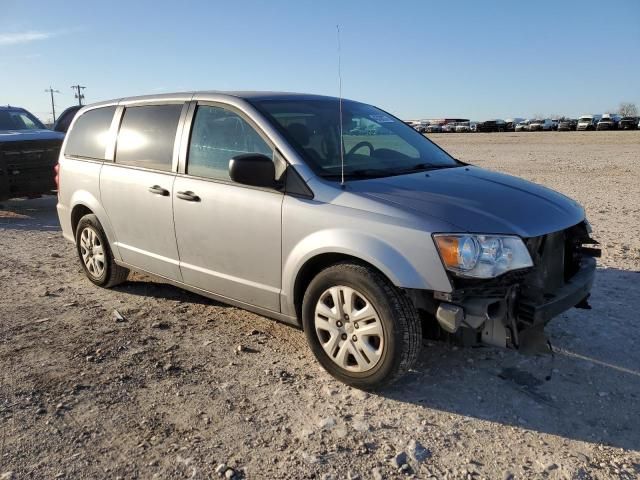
(53, 105)
(79, 95)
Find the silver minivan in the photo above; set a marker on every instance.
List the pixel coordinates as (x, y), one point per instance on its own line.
(276, 203)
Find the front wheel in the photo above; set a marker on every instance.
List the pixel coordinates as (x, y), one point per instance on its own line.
(362, 329)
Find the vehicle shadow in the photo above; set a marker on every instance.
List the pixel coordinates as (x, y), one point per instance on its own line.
(588, 390)
(145, 286)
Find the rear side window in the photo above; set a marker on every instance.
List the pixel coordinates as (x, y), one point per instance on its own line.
(147, 135)
(90, 133)
(218, 135)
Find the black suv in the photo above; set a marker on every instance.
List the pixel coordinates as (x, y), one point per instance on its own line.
(567, 124)
(607, 123)
(491, 126)
(628, 123)
(28, 154)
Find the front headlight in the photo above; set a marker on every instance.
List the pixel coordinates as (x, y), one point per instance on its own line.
(482, 256)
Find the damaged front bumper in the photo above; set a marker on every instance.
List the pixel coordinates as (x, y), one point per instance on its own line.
(503, 310)
(576, 290)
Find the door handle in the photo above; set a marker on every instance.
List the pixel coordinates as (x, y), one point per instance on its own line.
(189, 196)
(158, 190)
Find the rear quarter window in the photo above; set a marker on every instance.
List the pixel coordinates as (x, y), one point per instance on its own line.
(89, 136)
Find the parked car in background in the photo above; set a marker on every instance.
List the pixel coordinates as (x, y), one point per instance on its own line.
(463, 127)
(588, 122)
(567, 124)
(608, 122)
(511, 123)
(422, 126)
(65, 118)
(241, 197)
(449, 127)
(628, 123)
(434, 128)
(28, 154)
(541, 125)
(491, 126)
(522, 126)
(473, 126)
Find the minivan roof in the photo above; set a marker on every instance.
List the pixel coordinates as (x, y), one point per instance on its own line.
(246, 95)
(213, 95)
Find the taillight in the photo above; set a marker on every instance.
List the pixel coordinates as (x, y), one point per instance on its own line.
(56, 169)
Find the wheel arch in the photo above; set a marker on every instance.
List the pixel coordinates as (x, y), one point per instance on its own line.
(84, 203)
(78, 211)
(303, 263)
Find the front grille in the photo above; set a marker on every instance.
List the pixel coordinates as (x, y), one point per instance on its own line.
(556, 258)
(487, 288)
(27, 167)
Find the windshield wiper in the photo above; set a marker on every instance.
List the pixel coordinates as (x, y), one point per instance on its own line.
(421, 167)
(365, 173)
(360, 174)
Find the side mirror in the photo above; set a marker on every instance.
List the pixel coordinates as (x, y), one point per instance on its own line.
(253, 169)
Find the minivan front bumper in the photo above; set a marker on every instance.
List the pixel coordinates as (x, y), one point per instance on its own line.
(500, 311)
(571, 294)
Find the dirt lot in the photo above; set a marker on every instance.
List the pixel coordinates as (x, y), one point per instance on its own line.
(165, 392)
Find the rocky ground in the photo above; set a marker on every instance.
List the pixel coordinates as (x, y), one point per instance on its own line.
(148, 381)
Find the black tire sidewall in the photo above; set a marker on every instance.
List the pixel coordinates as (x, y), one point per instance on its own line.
(92, 222)
(368, 283)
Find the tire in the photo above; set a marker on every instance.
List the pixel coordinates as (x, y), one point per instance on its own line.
(383, 357)
(95, 254)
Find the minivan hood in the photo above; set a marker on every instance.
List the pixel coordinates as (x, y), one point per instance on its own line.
(477, 200)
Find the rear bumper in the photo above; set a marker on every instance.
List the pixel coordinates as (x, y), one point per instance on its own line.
(568, 296)
(64, 216)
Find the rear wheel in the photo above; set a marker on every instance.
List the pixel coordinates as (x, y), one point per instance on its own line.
(362, 329)
(95, 255)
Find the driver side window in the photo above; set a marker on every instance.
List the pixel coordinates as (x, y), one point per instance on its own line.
(217, 136)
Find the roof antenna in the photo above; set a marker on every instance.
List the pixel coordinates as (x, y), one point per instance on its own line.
(340, 108)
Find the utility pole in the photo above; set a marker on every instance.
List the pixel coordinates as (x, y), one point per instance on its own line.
(79, 95)
(53, 105)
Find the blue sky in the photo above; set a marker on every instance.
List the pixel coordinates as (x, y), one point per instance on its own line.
(475, 59)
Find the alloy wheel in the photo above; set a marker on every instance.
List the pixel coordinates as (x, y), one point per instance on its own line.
(92, 252)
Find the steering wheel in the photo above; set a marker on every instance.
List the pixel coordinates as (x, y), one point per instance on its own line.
(358, 146)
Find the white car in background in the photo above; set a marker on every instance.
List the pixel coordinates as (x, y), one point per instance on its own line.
(512, 122)
(463, 127)
(522, 126)
(541, 125)
(588, 122)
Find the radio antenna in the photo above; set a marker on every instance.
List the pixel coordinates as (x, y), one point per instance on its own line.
(340, 109)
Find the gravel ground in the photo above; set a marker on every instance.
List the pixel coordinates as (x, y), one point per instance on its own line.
(178, 386)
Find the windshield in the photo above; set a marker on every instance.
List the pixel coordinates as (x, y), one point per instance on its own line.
(584, 119)
(18, 120)
(375, 143)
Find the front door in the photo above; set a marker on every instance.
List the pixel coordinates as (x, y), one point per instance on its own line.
(229, 235)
